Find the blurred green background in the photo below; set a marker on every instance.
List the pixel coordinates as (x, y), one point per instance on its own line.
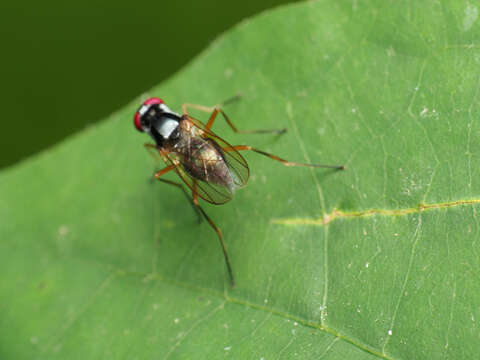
(65, 65)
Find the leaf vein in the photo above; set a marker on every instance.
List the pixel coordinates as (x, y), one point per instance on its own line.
(338, 214)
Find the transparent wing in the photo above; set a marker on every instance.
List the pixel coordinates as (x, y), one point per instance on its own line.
(209, 192)
(236, 163)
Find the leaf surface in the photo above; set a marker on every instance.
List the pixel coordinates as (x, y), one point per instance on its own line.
(379, 261)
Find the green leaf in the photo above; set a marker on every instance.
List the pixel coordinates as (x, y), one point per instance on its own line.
(379, 261)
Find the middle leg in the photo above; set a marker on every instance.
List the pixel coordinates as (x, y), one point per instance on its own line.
(283, 161)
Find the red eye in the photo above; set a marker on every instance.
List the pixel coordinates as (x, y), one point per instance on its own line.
(153, 100)
(137, 117)
(136, 121)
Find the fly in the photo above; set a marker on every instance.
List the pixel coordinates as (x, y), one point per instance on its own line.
(210, 167)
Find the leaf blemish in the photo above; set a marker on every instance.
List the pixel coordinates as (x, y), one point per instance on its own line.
(63, 230)
(471, 15)
(228, 73)
(168, 224)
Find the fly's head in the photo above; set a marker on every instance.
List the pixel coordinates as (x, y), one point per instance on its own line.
(156, 119)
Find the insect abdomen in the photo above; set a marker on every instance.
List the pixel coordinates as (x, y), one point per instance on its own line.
(204, 160)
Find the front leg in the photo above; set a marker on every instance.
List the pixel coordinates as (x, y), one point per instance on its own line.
(214, 110)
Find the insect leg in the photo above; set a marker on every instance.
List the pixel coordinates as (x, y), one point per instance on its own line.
(162, 172)
(218, 109)
(283, 161)
(152, 150)
(218, 231)
(210, 108)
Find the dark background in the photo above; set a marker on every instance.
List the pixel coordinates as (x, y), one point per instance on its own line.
(64, 65)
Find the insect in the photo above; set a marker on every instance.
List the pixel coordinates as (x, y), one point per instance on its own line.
(210, 167)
